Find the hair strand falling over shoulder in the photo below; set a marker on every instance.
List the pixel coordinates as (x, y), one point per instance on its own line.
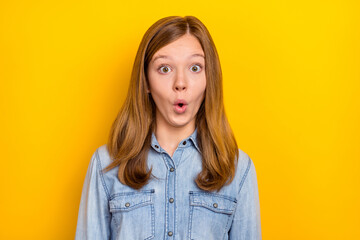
(130, 135)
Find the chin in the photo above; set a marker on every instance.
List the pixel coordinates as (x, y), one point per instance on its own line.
(179, 124)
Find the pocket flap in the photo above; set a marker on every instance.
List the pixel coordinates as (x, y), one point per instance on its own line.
(214, 202)
(131, 200)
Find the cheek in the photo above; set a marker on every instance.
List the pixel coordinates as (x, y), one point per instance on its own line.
(151, 79)
(159, 94)
(158, 84)
(201, 87)
(158, 97)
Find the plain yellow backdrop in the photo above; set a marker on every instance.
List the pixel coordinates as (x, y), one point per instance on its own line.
(292, 95)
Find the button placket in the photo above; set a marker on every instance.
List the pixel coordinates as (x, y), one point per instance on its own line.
(170, 203)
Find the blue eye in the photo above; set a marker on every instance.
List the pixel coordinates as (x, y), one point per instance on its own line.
(195, 68)
(164, 69)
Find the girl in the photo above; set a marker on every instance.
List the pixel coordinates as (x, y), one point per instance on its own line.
(171, 168)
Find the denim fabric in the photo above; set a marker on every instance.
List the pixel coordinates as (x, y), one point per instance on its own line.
(170, 206)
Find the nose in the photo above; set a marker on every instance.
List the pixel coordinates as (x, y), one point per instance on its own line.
(180, 83)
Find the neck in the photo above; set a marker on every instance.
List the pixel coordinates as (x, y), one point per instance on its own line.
(169, 137)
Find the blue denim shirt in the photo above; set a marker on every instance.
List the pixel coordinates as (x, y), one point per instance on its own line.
(170, 206)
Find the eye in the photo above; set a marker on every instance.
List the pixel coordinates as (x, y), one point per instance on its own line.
(164, 69)
(196, 68)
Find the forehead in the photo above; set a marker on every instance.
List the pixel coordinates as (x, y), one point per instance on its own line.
(184, 47)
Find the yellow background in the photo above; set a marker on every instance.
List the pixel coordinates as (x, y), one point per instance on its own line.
(292, 95)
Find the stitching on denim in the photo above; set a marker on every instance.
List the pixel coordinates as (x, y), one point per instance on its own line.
(197, 193)
(142, 204)
(117, 224)
(195, 144)
(141, 192)
(229, 223)
(166, 199)
(155, 142)
(232, 218)
(245, 175)
(153, 220)
(190, 216)
(152, 224)
(152, 232)
(217, 210)
(192, 208)
(174, 231)
(101, 174)
(148, 203)
(180, 157)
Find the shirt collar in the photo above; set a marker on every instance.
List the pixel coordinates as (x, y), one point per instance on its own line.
(187, 142)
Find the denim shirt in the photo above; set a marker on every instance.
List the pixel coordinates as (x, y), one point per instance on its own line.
(170, 206)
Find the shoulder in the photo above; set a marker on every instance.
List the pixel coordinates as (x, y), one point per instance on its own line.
(110, 177)
(245, 172)
(100, 158)
(243, 163)
(103, 160)
(103, 155)
(244, 168)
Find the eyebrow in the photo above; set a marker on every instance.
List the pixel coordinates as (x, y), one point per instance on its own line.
(164, 56)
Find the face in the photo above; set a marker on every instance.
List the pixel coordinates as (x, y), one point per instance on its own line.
(177, 80)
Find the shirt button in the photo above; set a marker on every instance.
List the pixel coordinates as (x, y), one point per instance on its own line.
(184, 142)
(127, 204)
(215, 205)
(170, 233)
(156, 146)
(171, 200)
(172, 169)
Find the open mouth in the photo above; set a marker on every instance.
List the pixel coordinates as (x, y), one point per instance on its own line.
(180, 107)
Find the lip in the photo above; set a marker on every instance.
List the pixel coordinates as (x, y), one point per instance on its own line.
(178, 101)
(179, 109)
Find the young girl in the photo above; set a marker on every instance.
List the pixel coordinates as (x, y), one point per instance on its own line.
(171, 168)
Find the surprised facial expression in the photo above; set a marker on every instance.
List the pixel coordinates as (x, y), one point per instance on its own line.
(177, 80)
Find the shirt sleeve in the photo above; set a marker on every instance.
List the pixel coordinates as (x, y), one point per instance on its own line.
(93, 216)
(246, 223)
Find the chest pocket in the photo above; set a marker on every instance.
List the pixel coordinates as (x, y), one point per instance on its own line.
(133, 215)
(210, 215)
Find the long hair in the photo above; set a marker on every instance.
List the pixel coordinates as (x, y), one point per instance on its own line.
(130, 135)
